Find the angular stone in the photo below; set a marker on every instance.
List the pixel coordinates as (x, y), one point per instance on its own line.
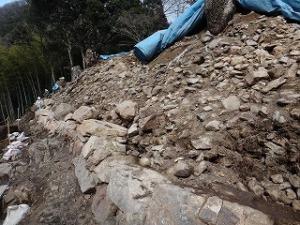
(210, 211)
(101, 128)
(277, 178)
(103, 208)
(274, 192)
(231, 103)
(253, 216)
(227, 217)
(5, 170)
(213, 125)
(173, 205)
(127, 110)
(202, 143)
(99, 148)
(15, 214)
(260, 73)
(255, 187)
(104, 169)
(86, 180)
(83, 113)
(182, 169)
(296, 205)
(3, 188)
(130, 190)
(152, 122)
(201, 167)
(295, 113)
(291, 194)
(62, 110)
(133, 130)
(237, 60)
(295, 181)
(274, 84)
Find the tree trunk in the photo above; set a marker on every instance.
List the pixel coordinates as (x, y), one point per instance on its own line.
(10, 106)
(52, 74)
(70, 56)
(82, 57)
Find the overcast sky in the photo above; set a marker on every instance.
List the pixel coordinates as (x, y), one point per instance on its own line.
(2, 2)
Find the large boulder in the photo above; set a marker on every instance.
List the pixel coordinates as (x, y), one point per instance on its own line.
(103, 208)
(83, 113)
(130, 190)
(87, 181)
(218, 14)
(173, 205)
(127, 110)
(104, 169)
(99, 148)
(101, 128)
(62, 110)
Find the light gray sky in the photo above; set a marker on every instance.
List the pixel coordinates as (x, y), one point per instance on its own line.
(3, 2)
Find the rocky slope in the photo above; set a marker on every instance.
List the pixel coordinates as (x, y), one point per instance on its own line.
(208, 133)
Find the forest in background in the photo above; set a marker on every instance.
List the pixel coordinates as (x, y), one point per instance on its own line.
(41, 40)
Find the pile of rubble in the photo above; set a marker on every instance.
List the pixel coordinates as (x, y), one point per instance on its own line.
(208, 133)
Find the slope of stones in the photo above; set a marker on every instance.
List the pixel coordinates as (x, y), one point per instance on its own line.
(208, 133)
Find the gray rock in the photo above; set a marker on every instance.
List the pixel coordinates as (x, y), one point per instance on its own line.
(173, 205)
(5, 170)
(214, 125)
(275, 149)
(291, 194)
(255, 187)
(274, 192)
(86, 180)
(255, 76)
(231, 103)
(236, 60)
(130, 189)
(133, 130)
(144, 162)
(277, 178)
(62, 110)
(104, 169)
(15, 214)
(99, 148)
(296, 205)
(202, 143)
(277, 117)
(210, 211)
(218, 14)
(285, 185)
(127, 110)
(3, 188)
(201, 167)
(295, 181)
(182, 169)
(295, 113)
(83, 113)
(103, 209)
(274, 84)
(101, 129)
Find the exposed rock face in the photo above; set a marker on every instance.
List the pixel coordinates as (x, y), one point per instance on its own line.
(218, 14)
(101, 128)
(87, 181)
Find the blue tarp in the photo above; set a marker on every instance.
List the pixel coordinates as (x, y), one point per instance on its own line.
(147, 49)
(108, 57)
(288, 8)
(183, 25)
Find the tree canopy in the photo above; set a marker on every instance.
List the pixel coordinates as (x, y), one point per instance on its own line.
(41, 40)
